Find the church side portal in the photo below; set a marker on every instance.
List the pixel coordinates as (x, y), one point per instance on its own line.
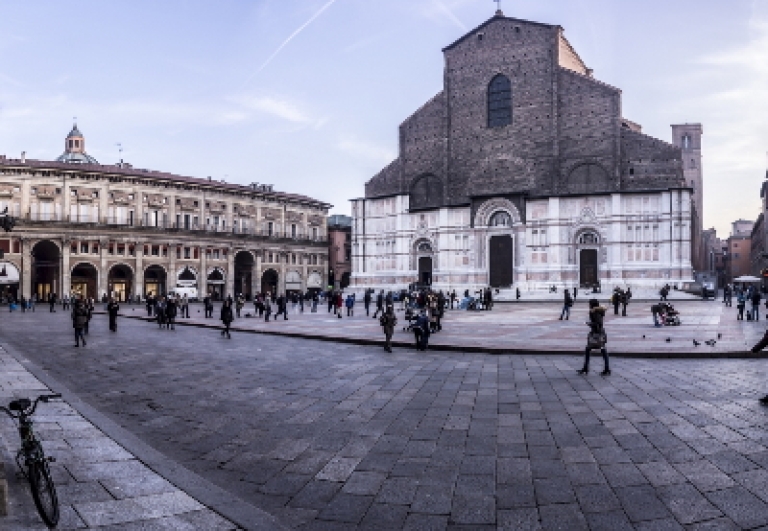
(501, 264)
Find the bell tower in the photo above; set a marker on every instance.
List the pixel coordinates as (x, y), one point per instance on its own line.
(688, 138)
(75, 141)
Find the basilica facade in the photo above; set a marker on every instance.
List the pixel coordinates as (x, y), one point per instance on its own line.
(523, 172)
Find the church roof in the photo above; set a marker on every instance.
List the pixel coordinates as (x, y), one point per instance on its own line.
(498, 16)
(75, 132)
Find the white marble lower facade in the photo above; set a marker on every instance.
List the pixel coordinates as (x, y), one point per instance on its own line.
(636, 239)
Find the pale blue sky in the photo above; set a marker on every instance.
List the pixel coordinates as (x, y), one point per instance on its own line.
(212, 88)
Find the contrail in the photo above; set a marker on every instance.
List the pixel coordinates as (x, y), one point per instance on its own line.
(449, 14)
(289, 39)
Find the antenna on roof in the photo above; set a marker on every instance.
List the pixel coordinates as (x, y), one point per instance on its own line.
(498, 8)
(120, 149)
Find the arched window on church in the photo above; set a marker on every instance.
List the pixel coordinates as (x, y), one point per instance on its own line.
(500, 219)
(426, 192)
(499, 101)
(424, 247)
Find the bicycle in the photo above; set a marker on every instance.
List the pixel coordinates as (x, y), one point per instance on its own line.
(35, 463)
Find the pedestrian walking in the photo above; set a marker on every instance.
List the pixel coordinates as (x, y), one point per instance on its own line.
(79, 320)
(616, 300)
(208, 306)
(267, 309)
(388, 321)
(741, 302)
(379, 304)
(331, 301)
(756, 298)
(150, 303)
(367, 302)
(624, 298)
(227, 317)
(65, 303)
(160, 312)
(282, 308)
(112, 309)
(315, 300)
(89, 306)
(656, 312)
(597, 338)
(339, 299)
(52, 302)
(349, 303)
(239, 303)
(185, 306)
(421, 330)
(664, 292)
(171, 310)
(567, 303)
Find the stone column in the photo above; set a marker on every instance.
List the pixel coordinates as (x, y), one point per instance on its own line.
(170, 277)
(138, 282)
(26, 267)
(103, 269)
(284, 256)
(230, 281)
(256, 276)
(202, 275)
(66, 272)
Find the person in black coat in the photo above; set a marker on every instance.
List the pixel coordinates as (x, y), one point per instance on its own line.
(112, 309)
(281, 308)
(227, 316)
(379, 304)
(171, 309)
(421, 331)
(367, 302)
(597, 337)
(208, 306)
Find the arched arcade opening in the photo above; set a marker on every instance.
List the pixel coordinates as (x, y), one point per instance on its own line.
(46, 259)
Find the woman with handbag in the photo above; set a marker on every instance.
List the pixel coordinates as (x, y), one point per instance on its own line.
(597, 337)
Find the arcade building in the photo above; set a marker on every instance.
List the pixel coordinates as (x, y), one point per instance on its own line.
(95, 230)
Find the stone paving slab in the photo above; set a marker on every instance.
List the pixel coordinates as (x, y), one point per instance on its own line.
(99, 484)
(523, 328)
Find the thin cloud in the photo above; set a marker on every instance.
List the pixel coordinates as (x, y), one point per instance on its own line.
(364, 150)
(288, 40)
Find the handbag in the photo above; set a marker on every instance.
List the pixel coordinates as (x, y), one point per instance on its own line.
(596, 340)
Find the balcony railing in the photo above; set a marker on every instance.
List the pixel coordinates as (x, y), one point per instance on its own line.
(129, 224)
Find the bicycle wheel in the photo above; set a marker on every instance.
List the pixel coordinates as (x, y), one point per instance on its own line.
(43, 491)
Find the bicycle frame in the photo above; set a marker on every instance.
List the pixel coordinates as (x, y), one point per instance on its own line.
(31, 449)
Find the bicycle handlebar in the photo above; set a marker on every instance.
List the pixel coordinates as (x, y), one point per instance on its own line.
(30, 411)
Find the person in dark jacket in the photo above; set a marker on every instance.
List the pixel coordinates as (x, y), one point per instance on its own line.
(367, 302)
(208, 306)
(624, 297)
(616, 300)
(421, 330)
(597, 337)
(160, 311)
(267, 307)
(388, 322)
(379, 304)
(567, 303)
(281, 308)
(171, 310)
(79, 320)
(89, 306)
(756, 297)
(112, 309)
(227, 316)
(150, 304)
(52, 302)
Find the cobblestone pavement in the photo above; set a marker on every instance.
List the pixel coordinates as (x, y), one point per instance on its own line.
(531, 327)
(99, 484)
(339, 437)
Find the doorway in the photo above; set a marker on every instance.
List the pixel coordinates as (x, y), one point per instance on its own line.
(425, 271)
(500, 259)
(85, 280)
(588, 268)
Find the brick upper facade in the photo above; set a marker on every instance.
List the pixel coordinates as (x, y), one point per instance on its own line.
(567, 134)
